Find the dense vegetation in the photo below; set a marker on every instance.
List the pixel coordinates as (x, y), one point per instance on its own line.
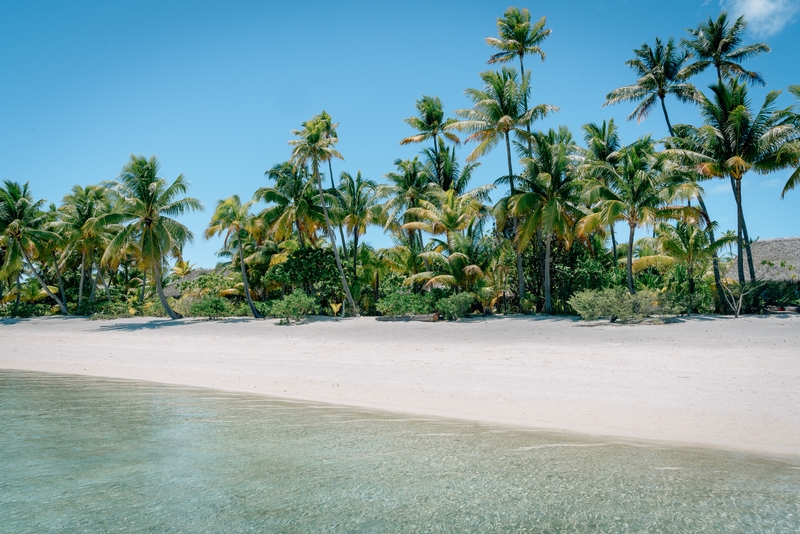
(547, 245)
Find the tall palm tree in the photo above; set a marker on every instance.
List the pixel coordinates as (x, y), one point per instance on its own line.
(604, 143)
(430, 123)
(448, 213)
(737, 140)
(791, 151)
(637, 190)
(330, 129)
(549, 193)
(661, 72)
(294, 203)
(359, 203)
(406, 189)
(312, 147)
(444, 167)
(22, 222)
(498, 112)
(145, 203)
(234, 219)
(717, 43)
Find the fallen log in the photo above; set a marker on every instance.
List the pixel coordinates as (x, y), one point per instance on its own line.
(428, 318)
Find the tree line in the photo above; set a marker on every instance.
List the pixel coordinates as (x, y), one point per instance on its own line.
(552, 233)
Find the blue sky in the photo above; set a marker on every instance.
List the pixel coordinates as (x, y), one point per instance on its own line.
(214, 88)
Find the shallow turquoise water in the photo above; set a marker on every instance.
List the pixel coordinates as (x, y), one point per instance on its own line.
(85, 454)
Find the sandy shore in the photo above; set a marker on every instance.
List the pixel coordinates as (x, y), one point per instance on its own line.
(703, 381)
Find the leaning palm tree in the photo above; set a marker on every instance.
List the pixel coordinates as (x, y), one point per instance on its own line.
(497, 113)
(430, 123)
(22, 226)
(145, 203)
(312, 147)
(549, 193)
(661, 72)
(358, 199)
(637, 190)
(234, 219)
(717, 43)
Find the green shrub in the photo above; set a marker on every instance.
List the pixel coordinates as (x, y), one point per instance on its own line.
(455, 306)
(295, 306)
(404, 303)
(212, 307)
(616, 303)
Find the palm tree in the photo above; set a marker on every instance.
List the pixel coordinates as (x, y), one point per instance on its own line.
(430, 123)
(359, 203)
(234, 219)
(604, 143)
(717, 43)
(448, 213)
(499, 111)
(660, 72)
(296, 204)
(637, 190)
(736, 140)
(549, 192)
(145, 203)
(22, 222)
(313, 147)
(406, 189)
(791, 151)
(443, 165)
(329, 128)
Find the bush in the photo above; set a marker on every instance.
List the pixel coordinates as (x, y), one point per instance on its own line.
(455, 306)
(616, 303)
(295, 306)
(403, 303)
(212, 307)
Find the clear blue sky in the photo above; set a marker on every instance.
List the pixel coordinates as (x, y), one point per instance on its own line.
(214, 88)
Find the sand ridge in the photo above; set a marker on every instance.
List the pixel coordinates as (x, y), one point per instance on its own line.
(706, 381)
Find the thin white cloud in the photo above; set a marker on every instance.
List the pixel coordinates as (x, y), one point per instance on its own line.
(764, 17)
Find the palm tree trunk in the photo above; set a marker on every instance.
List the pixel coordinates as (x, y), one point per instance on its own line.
(739, 222)
(666, 117)
(299, 234)
(42, 282)
(19, 294)
(548, 303)
(515, 221)
(714, 257)
(253, 309)
(107, 284)
(167, 308)
(332, 237)
(83, 276)
(144, 285)
(94, 281)
(60, 280)
(614, 245)
(631, 289)
(747, 248)
(341, 232)
(355, 251)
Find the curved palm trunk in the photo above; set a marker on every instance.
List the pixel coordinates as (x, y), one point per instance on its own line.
(548, 303)
(159, 288)
(60, 280)
(666, 117)
(739, 222)
(743, 239)
(50, 294)
(614, 244)
(631, 289)
(341, 232)
(714, 257)
(332, 237)
(515, 221)
(253, 309)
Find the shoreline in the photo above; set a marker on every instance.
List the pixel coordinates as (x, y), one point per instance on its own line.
(703, 382)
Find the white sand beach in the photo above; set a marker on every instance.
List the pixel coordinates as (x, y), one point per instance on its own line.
(702, 381)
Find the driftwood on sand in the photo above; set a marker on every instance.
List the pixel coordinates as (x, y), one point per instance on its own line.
(428, 318)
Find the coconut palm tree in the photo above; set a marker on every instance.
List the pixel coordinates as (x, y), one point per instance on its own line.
(661, 72)
(443, 166)
(145, 204)
(736, 140)
(497, 113)
(295, 204)
(22, 225)
(313, 147)
(234, 219)
(604, 143)
(329, 128)
(717, 43)
(791, 151)
(430, 123)
(548, 195)
(406, 189)
(358, 200)
(637, 190)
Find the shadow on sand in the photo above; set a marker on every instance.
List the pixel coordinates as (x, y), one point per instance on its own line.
(156, 324)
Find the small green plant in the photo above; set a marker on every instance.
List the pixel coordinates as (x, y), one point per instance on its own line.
(403, 303)
(616, 303)
(455, 306)
(211, 307)
(294, 307)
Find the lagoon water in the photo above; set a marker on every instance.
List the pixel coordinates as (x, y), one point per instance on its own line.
(87, 454)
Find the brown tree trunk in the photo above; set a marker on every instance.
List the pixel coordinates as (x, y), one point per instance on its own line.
(167, 308)
(60, 280)
(50, 294)
(520, 272)
(247, 296)
(631, 289)
(548, 303)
